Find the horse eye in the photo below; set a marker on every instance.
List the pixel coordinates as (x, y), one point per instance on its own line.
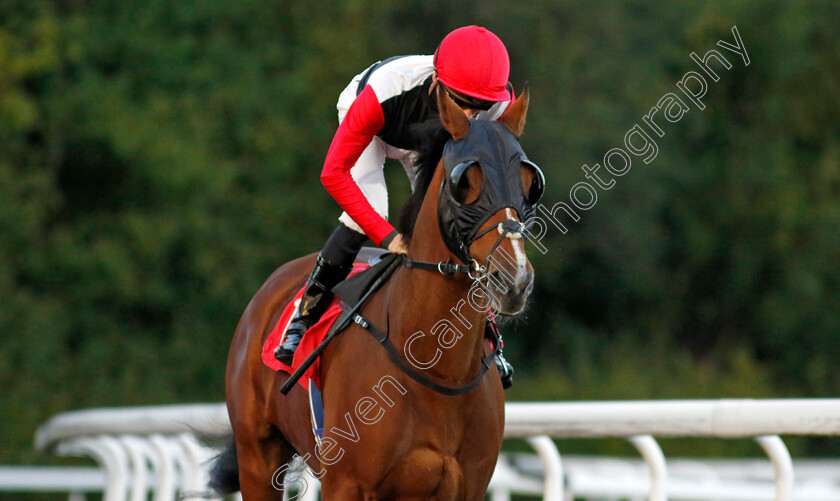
(459, 185)
(463, 183)
(534, 192)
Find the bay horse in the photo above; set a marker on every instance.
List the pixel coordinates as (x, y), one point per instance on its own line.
(386, 436)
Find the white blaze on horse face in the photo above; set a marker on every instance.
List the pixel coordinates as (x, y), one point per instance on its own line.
(518, 249)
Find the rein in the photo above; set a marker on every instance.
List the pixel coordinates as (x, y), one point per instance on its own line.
(446, 268)
(385, 340)
(475, 271)
(507, 229)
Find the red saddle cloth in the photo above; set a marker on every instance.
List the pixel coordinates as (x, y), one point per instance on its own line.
(310, 341)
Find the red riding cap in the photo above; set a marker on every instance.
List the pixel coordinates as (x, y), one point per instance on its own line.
(473, 60)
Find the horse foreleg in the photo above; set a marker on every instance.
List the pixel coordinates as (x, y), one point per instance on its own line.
(344, 490)
(261, 467)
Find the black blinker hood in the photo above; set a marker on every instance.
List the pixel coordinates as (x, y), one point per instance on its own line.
(495, 147)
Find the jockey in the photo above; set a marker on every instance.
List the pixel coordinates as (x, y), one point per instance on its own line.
(376, 112)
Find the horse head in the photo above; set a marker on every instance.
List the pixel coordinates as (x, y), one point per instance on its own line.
(489, 189)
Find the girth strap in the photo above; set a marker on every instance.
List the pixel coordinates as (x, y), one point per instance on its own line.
(385, 340)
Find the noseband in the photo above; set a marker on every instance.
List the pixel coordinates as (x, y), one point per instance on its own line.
(509, 228)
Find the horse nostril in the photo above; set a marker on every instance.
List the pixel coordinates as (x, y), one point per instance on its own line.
(500, 282)
(524, 283)
(530, 286)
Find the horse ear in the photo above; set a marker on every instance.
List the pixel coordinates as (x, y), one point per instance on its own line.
(452, 116)
(514, 116)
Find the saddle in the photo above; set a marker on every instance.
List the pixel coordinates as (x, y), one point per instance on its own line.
(351, 294)
(362, 281)
(358, 285)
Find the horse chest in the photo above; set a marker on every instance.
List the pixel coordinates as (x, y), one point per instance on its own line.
(437, 456)
(428, 474)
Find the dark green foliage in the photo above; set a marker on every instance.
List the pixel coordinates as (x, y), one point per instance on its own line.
(159, 159)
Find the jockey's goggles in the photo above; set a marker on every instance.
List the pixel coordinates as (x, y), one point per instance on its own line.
(465, 101)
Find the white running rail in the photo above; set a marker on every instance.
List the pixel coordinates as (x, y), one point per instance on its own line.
(139, 447)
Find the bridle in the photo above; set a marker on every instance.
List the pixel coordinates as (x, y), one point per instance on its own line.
(509, 228)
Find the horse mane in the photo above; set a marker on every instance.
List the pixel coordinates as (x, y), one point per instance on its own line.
(432, 137)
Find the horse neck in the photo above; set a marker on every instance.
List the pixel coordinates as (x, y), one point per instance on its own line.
(436, 305)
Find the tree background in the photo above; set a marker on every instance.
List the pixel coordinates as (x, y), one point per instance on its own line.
(158, 159)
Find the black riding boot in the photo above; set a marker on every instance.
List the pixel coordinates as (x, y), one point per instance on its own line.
(333, 265)
(316, 298)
